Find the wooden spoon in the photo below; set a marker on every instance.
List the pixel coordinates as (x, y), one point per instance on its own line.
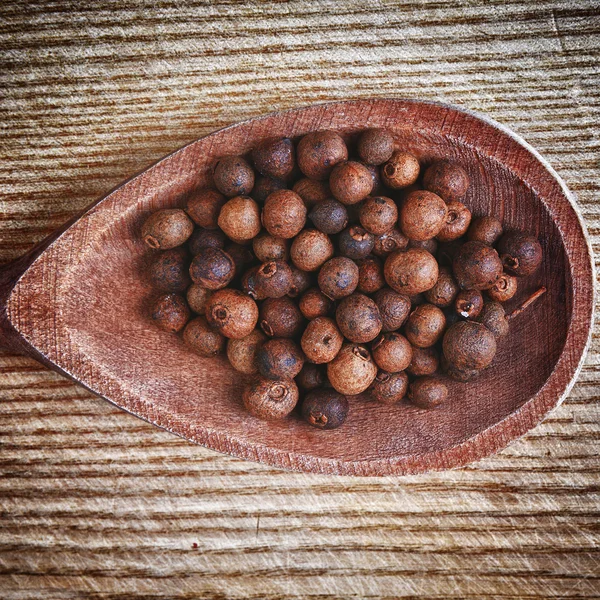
(78, 303)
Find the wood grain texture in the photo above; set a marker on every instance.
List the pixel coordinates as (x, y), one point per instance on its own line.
(97, 504)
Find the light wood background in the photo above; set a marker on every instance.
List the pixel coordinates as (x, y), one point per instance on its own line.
(95, 503)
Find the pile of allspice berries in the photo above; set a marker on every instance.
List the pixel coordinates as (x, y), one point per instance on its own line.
(331, 270)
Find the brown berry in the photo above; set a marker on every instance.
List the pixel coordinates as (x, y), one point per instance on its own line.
(425, 361)
(233, 176)
(350, 182)
(321, 340)
(167, 228)
(387, 243)
(274, 158)
(494, 318)
(279, 358)
(314, 303)
(312, 191)
(504, 289)
(447, 251)
(485, 229)
(378, 214)
(265, 186)
(232, 313)
(273, 279)
(248, 284)
(338, 277)
(375, 146)
(370, 275)
(400, 171)
(267, 248)
(422, 215)
(240, 219)
(170, 312)
(280, 317)
(206, 238)
(352, 371)
(284, 214)
(242, 256)
(444, 291)
(476, 266)
(301, 281)
(197, 297)
(457, 374)
(392, 352)
(447, 180)
(329, 216)
(202, 339)
(521, 254)
(242, 352)
(427, 392)
(394, 309)
(389, 388)
(355, 242)
(325, 409)
(310, 249)
(457, 222)
(212, 268)
(204, 206)
(311, 377)
(358, 318)
(468, 303)
(430, 245)
(319, 152)
(378, 188)
(169, 271)
(469, 345)
(270, 400)
(411, 272)
(425, 325)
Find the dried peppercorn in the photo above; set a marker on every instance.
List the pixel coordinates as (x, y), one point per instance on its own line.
(427, 392)
(311, 249)
(233, 176)
(476, 266)
(485, 229)
(321, 340)
(232, 313)
(197, 297)
(378, 214)
(275, 158)
(521, 254)
(314, 303)
(325, 409)
(411, 272)
(319, 152)
(375, 146)
(329, 216)
(279, 358)
(204, 206)
(266, 247)
(392, 352)
(272, 279)
(446, 179)
(425, 361)
(212, 268)
(206, 238)
(422, 215)
(280, 317)
(242, 352)
(468, 303)
(457, 222)
(370, 275)
(352, 371)
(301, 281)
(265, 186)
(394, 309)
(312, 191)
(338, 277)
(355, 242)
(389, 388)
(400, 171)
(166, 229)
(284, 214)
(311, 377)
(444, 291)
(386, 243)
(169, 271)
(425, 325)
(202, 339)
(469, 345)
(494, 318)
(358, 318)
(504, 289)
(240, 219)
(170, 312)
(350, 182)
(270, 400)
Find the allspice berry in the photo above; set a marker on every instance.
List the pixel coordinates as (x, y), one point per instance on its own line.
(284, 214)
(167, 228)
(375, 146)
(411, 272)
(338, 277)
(462, 375)
(212, 268)
(267, 248)
(242, 352)
(400, 171)
(312, 191)
(425, 361)
(197, 297)
(321, 340)
(202, 339)
(301, 281)
(378, 214)
(370, 275)
(444, 291)
(204, 206)
(240, 219)
(521, 254)
(279, 358)
(272, 279)
(469, 345)
(206, 238)
(311, 377)
(242, 256)
(422, 215)
(446, 179)
(494, 318)
(352, 371)
(350, 182)
(427, 392)
(504, 289)
(457, 222)
(386, 243)
(232, 313)
(392, 352)
(169, 271)
(468, 303)
(485, 229)
(233, 176)
(447, 252)
(170, 312)
(325, 409)
(275, 158)
(377, 181)
(319, 152)
(476, 266)
(248, 284)
(314, 303)
(355, 242)
(430, 245)
(310, 249)
(358, 318)
(389, 388)
(265, 186)
(270, 400)
(280, 317)
(394, 308)
(425, 325)
(329, 216)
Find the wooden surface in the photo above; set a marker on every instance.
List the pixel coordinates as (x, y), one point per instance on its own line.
(97, 504)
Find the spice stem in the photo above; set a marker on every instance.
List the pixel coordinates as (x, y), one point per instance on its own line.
(527, 302)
